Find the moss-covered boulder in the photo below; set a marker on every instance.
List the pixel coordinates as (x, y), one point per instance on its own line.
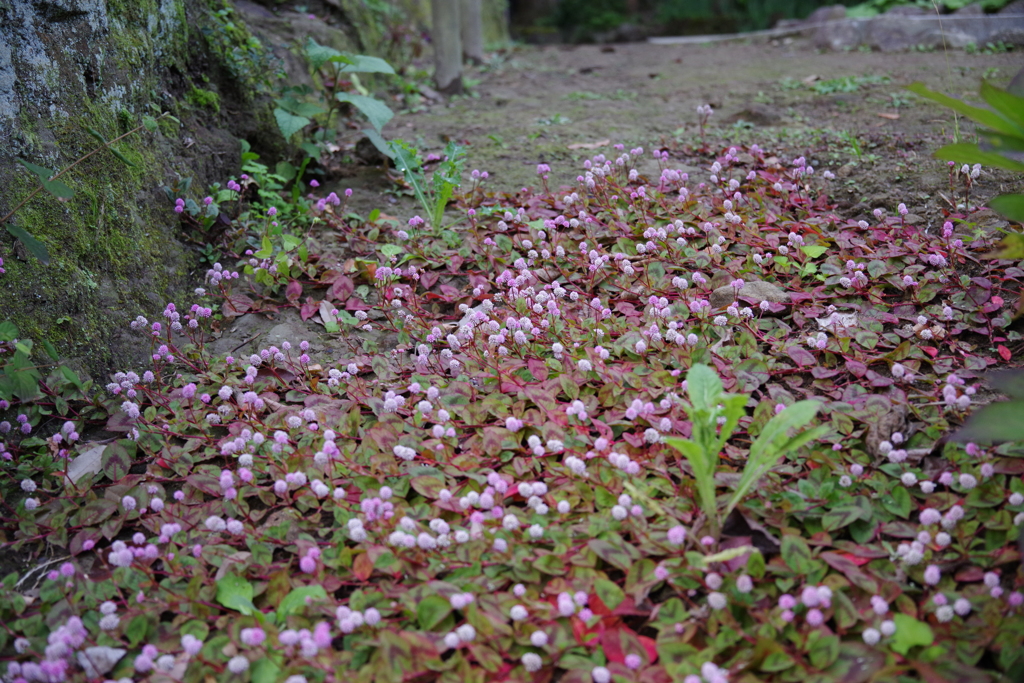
(116, 248)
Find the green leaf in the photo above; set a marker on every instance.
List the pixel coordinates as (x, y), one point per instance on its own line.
(41, 172)
(769, 446)
(93, 132)
(1009, 206)
(376, 112)
(983, 116)
(840, 516)
(296, 600)
(367, 65)
(318, 54)
(797, 554)
(814, 250)
(50, 351)
(431, 611)
(550, 564)
(55, 187)
(8, 331)
(996, 422)
(391, 250)
(136, 630)
(150, 123)
(236, 593)
(704, 387)
(266, 670)
(117, 459)
(382, 145)
(909, 633)
(289, 124)
(609, 592)
(1006, 103)
(614, 554)
(122, 158)
(966, 153)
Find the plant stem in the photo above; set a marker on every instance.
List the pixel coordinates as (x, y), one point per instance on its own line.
(73, 164)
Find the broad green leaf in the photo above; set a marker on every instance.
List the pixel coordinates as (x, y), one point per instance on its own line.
(289, 124)
(985, 117)
(236, 593)
(839, 516)
(266, 670)
(614, 554)
(379, 142)
(550, 564)
(1006, 103)
(51, 351)
(299, 108)
(814, 250)
(391, 250)
(296, 600)
(150, 123)
(1009, 206)
(375, 111)
(8, 331)
(966, 153)
(367, 65)
(995, 422)
(609, 592)
(318, 55)
(431, 611)
(797, 554)
(704, 387)
(910, 633)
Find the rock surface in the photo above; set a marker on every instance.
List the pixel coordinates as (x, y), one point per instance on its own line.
(755, 291)
(907, 27)
(114, 247)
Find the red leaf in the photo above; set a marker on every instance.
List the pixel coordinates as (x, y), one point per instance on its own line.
(800, 355)
(856, 368)
(362, 566)
(293, 291)
(309, 309)
(428, 279)
(1003, 352)
(930, 350)
(539, 370)
(236, 305)
(454, 263)
(342, 288)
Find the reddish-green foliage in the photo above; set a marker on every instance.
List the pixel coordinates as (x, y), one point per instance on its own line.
(480, 490)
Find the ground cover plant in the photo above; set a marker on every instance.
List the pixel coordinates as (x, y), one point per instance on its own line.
(660, 427)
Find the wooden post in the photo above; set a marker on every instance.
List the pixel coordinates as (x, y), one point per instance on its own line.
(446, 37)
(472, 31)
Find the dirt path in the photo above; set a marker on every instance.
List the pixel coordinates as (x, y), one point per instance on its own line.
(530, 107)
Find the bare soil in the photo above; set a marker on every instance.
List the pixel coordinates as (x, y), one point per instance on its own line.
(530, 105)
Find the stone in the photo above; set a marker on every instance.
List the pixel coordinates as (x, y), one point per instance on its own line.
(1015, 7)
(826, 13)
(76, 64)
(906, 11)
(755, 291)
(973, 10)
(757, 114)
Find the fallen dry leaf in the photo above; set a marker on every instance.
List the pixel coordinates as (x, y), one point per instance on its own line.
(891, 117)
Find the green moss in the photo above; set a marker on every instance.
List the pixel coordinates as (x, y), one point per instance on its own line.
(203, 98)
(108, 262)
